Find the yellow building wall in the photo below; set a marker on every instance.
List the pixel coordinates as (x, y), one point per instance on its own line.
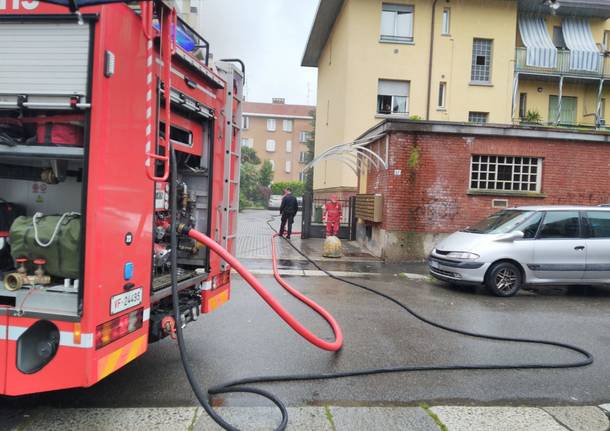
(470, 19)
(333, 68)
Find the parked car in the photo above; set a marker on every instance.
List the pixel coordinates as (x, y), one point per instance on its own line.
(274, 202)
(528, 245)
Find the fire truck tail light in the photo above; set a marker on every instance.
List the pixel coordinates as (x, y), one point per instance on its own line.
(118, 327)
(221, 279)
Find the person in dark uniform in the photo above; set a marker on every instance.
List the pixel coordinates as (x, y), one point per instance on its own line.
(288, 209)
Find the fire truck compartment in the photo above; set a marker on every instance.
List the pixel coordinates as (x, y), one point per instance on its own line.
(45, 63)
(47, 180)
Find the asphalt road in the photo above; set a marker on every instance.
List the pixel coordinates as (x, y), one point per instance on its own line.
(244, 338)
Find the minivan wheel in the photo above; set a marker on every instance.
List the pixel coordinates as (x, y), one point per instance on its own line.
(504, 279)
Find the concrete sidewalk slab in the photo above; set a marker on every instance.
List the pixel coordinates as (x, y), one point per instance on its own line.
(381, 419)
(265, 419)
(133, 419)
(580, 418)
(496, 418)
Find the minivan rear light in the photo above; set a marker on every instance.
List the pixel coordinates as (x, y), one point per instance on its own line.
(118, 327)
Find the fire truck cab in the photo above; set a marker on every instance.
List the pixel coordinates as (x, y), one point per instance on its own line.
(90, 105)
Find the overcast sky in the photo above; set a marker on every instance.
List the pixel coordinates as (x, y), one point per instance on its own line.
(270, 37)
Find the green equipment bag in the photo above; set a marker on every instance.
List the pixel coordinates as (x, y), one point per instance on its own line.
(55, 238)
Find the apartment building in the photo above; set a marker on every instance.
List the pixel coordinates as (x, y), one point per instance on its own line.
(278, 132)
(518, 62)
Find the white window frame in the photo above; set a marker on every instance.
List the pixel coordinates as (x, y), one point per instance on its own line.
(245, 122)
(272, 164)
(446, 22)
(484, 170)
(288, 166)
(481, 73)
(289, 146)
(304, 136)
(392, 12)
(393, 97)
(270, 145)
(303, 157)
(271, 126)
(480, 114)
(302, 176)
(442, 95)
(247, 142)
(287, 125)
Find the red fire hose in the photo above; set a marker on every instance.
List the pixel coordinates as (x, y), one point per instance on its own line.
(269, 299)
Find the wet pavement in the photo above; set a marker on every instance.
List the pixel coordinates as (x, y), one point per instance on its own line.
(244, 338)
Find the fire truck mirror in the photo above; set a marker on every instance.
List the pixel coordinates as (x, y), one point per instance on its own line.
(37, 346)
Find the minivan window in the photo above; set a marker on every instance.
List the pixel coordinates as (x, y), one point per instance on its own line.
(501, 222)
(599, 221)
(530, 226)
(560, 224)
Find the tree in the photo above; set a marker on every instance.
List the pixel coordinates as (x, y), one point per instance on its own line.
(266, 174)
(248, 155)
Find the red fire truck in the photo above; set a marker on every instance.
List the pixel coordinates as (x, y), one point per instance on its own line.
(90, 101)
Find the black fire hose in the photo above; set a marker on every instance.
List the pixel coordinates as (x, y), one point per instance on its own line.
(238, 385)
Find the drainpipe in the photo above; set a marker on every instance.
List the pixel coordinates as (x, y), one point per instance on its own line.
(430, 59)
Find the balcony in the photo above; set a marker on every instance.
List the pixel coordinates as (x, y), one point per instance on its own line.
(563, 66)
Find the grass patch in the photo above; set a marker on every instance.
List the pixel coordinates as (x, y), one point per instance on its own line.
(425, 407)
(329, 417)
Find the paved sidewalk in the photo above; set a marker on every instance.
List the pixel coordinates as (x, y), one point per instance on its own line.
(324, 418)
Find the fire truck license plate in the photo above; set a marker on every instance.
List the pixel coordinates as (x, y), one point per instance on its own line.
(125, 300)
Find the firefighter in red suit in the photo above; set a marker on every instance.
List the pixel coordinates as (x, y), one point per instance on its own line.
(332, 214)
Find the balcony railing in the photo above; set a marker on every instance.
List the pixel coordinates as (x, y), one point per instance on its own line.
(563, 66)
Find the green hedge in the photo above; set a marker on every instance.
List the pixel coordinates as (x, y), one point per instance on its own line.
(297, 187)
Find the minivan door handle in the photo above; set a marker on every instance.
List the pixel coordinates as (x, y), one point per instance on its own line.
(579, 248)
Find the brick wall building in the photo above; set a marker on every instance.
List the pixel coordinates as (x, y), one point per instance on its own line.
(442, 177)
(278, 132)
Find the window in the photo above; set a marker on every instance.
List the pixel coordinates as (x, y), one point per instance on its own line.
(392, 97)
(523, 105)
(289, 146)
(521, 174)
(606, 43)
(272, 164)
(304, 137)
(396, 23)
(445, 26)
(302, 176)
(287, 125)
(270, 147)
(568, 109)
(247, 142)
(602, 110)
(288, 166)
(560, 224)
(481, 61)
(599, 224)
(558, 37)
(303, 157)
(478, 117)
(442, 95)
(530, 227)
(271, 124)
(245, 122)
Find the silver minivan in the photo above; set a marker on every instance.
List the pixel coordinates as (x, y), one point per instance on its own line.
(528, 245)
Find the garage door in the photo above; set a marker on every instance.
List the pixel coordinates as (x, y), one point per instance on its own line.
(43, 58)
